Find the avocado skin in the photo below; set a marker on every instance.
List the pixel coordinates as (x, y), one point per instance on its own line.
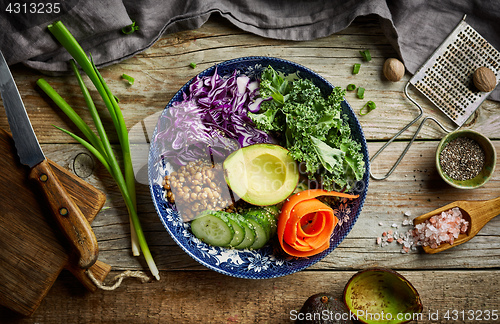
(315, 305)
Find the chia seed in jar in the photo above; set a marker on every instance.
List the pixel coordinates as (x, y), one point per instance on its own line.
(462, 159)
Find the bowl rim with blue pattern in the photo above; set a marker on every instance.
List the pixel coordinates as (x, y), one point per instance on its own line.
(269, 261)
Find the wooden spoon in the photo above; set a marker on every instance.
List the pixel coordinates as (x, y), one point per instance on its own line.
(477, 213)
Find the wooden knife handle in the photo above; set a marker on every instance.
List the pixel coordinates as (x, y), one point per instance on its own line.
(72, 222)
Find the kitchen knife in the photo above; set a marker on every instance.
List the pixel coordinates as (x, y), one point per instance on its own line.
(72, 222)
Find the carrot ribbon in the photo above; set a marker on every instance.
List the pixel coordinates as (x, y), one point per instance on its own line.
(306, 224)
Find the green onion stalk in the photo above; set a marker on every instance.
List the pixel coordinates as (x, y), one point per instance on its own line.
(100, 145)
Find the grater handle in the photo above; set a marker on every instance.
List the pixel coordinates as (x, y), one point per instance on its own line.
(405, 150)
(412, 139)
(396, 136)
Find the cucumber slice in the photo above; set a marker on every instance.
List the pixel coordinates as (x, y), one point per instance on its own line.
(260, 219)
(213, 229)
(273, 210)
(273, 218)
(260, 234)
(274, 224)
(239, 231)
(249, 235)
(266, 218)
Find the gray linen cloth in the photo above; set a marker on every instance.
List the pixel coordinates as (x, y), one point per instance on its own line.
(414, 27)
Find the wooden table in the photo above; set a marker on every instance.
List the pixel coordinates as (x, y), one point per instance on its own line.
(463, 278)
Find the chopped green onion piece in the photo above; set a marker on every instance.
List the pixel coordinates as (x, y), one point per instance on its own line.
(370, 105)
(355, 68)
(351, 87)
(361, 93)
(128, 78)
(366, 55)
(130, 28)
(192, 65)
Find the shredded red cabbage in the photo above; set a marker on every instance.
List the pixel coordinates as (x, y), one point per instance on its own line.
(211, 121)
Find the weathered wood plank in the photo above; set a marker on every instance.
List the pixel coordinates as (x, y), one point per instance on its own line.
(186, 286)
(161, 70)
(415, 186)
(194, 297)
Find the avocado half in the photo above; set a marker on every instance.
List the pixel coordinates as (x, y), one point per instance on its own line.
(261, 174)
(382, 296)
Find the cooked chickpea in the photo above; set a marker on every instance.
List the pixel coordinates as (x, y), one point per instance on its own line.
(197, 187)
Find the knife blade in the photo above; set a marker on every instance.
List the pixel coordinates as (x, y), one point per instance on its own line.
(68, 216)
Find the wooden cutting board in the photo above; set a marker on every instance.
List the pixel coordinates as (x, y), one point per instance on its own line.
(33, 251)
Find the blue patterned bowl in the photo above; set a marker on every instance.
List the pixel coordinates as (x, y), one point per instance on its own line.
(270, 261)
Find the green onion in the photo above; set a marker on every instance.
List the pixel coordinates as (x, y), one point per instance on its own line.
(89, 147)
(355, 68)
(366, 55)
(351, 87)
(125, 180)
(360, 93)
(370, 105)
(130, 28)
(192, 65)
(73, 116)
(128, 78)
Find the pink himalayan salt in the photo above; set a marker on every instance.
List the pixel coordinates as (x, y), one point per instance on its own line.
(443, 228)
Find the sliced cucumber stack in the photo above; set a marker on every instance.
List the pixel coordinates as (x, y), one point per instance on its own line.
(250, 230)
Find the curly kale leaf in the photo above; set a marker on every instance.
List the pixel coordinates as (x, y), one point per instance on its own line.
(315, 132)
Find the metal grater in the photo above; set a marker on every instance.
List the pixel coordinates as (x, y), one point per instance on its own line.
(446, 80)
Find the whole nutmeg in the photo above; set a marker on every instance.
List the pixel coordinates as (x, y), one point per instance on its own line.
(484, 79)
(393, 69)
